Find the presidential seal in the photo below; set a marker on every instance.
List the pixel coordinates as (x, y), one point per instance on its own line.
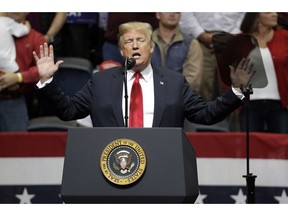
(123, 161)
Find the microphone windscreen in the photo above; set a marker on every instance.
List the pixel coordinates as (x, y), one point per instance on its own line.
(130, 63)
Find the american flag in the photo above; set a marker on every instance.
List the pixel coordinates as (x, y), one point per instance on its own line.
(31, 167)
(222, 162)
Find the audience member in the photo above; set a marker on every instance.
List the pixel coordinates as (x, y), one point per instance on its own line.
(13, 108)
(176, 52)
(83, 37)
(268, 106)
(50, 24)
(202, 26)
(9, 28)
(110, 50)
(167, 96)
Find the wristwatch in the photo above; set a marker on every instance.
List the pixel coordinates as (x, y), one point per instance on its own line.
(49, 39)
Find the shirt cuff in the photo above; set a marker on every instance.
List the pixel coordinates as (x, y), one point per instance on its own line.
(238, 94)
(41, 85)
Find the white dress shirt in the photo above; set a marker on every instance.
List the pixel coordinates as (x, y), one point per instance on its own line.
(147, 85)
(193, 24)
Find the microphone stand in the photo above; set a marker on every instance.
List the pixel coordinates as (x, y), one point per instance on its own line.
(125, 93)
(250, 178)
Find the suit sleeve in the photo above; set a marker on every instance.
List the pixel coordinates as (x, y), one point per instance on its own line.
(201, 112)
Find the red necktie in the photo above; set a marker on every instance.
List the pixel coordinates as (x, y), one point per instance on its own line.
(136, 103)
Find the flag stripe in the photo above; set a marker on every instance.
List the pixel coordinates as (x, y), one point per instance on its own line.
(207, 145)
(233, 145)
(31, 171)
(211, 171)
(38, 144)
(229, 172)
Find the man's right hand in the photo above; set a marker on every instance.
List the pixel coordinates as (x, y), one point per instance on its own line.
(206, 39)
(45, 63)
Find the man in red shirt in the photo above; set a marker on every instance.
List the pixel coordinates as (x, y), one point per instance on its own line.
(16, 86)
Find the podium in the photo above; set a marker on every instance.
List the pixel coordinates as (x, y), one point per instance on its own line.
(170, 174)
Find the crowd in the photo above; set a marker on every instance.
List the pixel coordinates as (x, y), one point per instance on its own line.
(183, 44)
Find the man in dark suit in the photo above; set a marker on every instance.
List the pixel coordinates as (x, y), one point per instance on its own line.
(167, 97)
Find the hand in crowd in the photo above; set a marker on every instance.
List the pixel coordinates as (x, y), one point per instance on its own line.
(206, 38)
(45, 63)
(7, 79)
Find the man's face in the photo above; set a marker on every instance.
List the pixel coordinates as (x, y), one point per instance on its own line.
(136, 44)
(169, 20)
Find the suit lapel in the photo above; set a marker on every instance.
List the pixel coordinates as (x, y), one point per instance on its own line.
(117, 94)
(160, 95)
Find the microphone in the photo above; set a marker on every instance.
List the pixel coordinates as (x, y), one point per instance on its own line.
(129, 63)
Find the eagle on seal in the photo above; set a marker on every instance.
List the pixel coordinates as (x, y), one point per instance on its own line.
(123, 160)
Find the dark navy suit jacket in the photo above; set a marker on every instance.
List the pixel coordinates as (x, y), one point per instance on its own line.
(102, 98)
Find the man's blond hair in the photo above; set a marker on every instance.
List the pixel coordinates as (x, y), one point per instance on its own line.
(142, 27)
